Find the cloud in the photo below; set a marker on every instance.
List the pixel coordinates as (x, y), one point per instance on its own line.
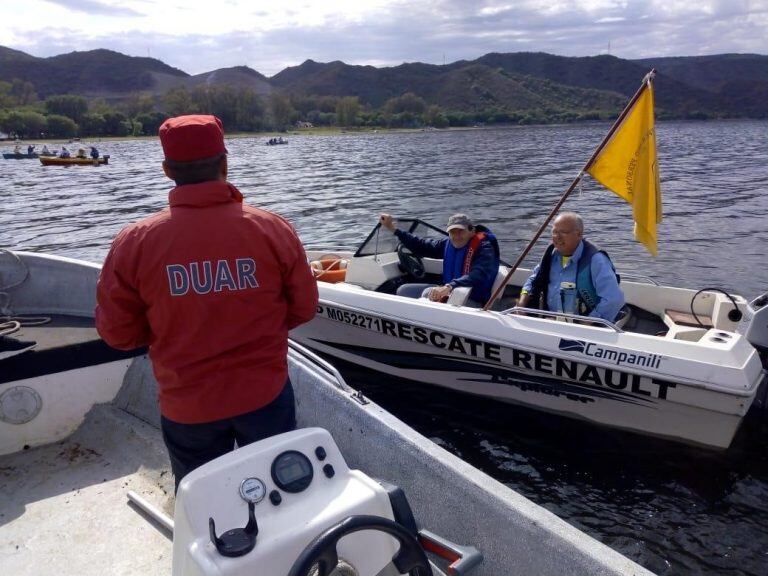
(94, 7)
(384, 32)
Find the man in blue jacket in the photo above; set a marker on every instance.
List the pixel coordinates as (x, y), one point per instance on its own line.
(470, 256)
(574, 276)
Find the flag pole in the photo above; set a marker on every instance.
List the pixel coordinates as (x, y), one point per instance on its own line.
(646, 82)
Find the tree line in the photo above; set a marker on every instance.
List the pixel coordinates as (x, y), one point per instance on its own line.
(24, 115)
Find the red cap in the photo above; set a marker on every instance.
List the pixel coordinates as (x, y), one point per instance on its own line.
(193, 137)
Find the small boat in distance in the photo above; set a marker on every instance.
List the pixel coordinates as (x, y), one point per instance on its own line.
(30, 154)
(20, 155)
(73, 161)
(276, 141)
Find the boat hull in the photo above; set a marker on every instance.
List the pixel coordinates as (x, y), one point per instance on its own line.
(55, 161)
(46, 392)
(12, 156)
(534, 368)
(58, 396)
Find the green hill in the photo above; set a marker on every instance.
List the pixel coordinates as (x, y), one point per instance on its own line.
(606, 73)
(525, 80)
(740, 81)
(471, 86)
(91, 73)
(727, 85)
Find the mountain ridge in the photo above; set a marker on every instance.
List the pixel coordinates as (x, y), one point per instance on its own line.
(511, 82)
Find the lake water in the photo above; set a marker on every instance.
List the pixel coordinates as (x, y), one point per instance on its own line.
(673, 509)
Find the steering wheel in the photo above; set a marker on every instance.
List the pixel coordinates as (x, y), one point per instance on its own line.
(321, 552)
(410, 263)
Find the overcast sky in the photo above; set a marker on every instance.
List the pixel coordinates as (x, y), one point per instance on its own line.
(203, 35)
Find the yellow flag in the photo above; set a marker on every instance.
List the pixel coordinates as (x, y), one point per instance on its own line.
(627, 166)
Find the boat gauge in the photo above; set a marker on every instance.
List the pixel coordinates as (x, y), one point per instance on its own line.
(252, 490)
(292, 471)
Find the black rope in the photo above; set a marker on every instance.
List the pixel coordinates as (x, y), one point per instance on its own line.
(734, 315)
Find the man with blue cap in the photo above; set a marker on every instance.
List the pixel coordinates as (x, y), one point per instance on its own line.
(470, 255)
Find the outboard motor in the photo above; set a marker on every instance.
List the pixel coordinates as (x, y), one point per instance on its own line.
(756, 322)
(290, 505)
(756, 332)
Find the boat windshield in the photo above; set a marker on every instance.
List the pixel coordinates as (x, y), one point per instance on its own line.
(381, 241)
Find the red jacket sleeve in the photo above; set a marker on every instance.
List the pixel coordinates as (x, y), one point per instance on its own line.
(120, 313)
(300, 288)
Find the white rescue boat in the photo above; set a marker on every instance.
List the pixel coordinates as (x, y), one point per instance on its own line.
(684, 365)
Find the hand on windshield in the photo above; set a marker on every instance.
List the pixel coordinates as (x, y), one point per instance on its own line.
(387, 222)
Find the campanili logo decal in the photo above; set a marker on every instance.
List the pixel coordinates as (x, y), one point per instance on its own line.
(616, 357)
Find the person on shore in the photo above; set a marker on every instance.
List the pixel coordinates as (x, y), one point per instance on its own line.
(212, 286)
(470, 256)
(574, 276)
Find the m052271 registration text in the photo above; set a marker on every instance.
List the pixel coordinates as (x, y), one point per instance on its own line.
(354, 318)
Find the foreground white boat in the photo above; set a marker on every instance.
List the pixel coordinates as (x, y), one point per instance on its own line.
(76, 440)
(680, 368)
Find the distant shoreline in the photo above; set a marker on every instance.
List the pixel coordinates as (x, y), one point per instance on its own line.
(320, 131)
(335, 131)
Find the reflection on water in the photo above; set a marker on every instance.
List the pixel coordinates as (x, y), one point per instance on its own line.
(673, 509)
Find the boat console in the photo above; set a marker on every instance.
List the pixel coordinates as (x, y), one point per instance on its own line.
(290, 505)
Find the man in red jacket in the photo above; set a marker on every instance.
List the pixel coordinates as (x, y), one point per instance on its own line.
(212, 286)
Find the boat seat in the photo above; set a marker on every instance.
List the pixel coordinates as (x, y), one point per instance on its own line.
(459, 296)
(501, 274)
(683, 326)
(65, 343)
(685, 319)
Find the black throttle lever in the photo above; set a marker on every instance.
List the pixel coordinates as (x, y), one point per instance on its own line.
(238, 541)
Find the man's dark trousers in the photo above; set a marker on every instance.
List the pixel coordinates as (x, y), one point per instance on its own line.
(192, 445)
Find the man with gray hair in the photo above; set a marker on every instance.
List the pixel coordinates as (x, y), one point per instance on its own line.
(470, 256)
(574, 276)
